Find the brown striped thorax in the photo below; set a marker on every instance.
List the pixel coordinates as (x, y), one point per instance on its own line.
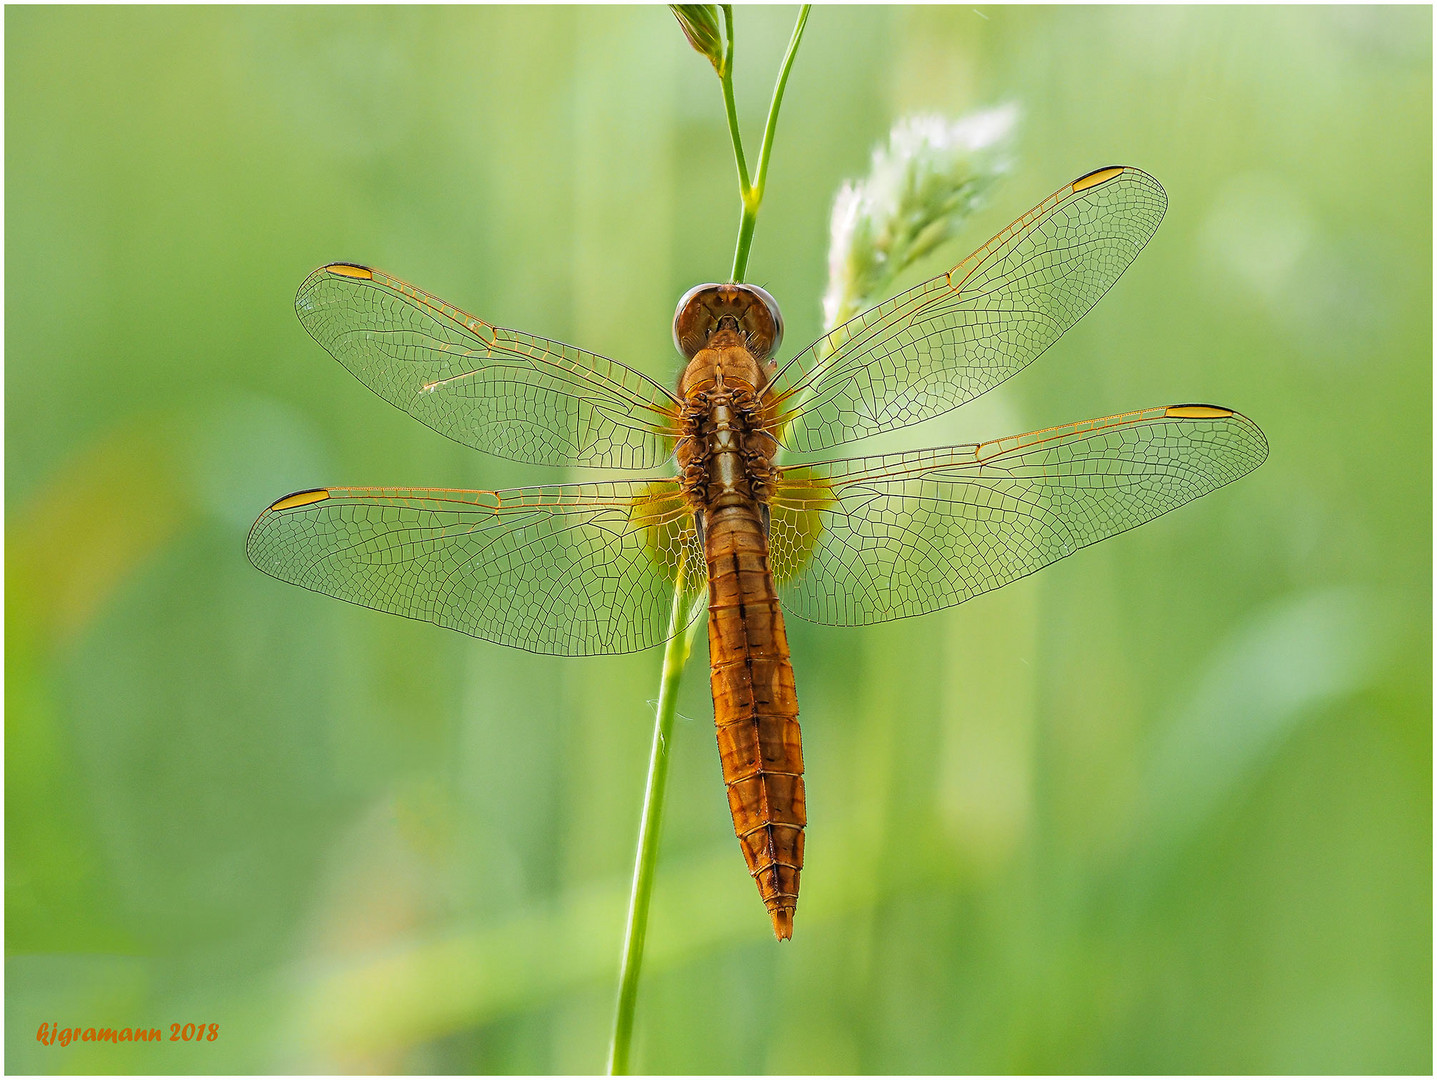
(729, 333)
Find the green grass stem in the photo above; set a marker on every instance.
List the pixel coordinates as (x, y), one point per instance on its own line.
(676, 655)
(751, 195)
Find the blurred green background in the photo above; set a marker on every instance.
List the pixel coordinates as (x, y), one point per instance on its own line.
(1166, 806)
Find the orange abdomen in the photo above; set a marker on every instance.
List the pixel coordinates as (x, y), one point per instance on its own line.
(755, 707)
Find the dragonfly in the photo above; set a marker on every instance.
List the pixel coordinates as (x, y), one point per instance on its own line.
(707, 509)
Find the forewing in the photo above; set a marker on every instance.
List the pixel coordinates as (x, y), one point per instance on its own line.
(572, 569)
(948, 340)
(501, 391)
(872, 539)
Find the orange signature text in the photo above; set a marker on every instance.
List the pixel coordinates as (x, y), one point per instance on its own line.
(50, 1034)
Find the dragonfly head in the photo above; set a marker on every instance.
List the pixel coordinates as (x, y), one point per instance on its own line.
(748, 310)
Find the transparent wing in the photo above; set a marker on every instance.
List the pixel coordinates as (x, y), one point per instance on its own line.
(572, 569)
(872, 539)
(501, 391)
(948, 340)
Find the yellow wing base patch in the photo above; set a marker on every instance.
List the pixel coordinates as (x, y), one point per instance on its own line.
(796, 520)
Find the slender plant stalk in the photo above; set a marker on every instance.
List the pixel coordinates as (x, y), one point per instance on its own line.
(730, 108)
(676, 655)
(751, 195)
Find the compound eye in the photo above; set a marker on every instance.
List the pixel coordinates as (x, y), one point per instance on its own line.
(777, 316)
(691, 321)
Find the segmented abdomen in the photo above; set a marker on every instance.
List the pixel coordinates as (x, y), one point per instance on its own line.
(755, 707)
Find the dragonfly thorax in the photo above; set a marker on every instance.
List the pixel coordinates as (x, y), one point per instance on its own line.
(725, 363)
(727, 448)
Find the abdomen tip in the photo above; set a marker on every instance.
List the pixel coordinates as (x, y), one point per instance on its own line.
(782, 923)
